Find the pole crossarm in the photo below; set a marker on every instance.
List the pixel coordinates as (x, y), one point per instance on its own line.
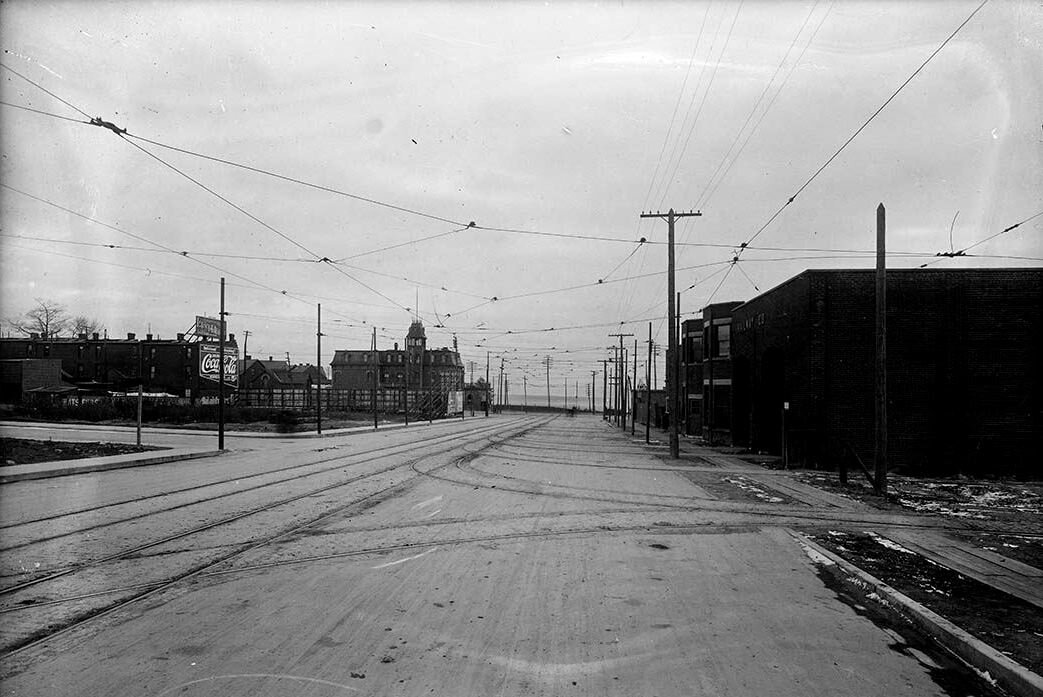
(672, 377)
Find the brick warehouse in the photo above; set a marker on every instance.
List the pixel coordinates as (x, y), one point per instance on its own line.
(178, 367)
(964, 370)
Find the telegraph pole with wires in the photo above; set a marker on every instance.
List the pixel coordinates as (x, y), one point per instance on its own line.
(546, 363)
(593, 382)
(318, 364)
(621, 369)
(604, 389)
(671, 377)
(221, 373)
(633, 386)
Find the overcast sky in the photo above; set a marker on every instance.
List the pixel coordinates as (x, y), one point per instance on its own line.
(562, 118)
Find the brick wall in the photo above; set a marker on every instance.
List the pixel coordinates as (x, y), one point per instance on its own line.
(964, 375)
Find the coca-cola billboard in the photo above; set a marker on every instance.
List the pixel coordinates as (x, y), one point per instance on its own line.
(210, 359)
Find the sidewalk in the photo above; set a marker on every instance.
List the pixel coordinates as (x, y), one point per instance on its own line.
(61, 468)
(1010, 576)
(1001, 573)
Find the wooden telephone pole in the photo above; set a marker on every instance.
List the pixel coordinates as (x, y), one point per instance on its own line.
(880, 454)
(671, 321)
(621, 370)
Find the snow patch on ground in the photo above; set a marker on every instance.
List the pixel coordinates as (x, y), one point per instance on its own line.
(748, 486)
(889, 544)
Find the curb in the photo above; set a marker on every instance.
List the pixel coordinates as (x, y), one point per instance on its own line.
(1007, 674)
(104, 466)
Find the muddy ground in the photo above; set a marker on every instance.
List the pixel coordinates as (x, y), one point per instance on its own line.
(22, 451)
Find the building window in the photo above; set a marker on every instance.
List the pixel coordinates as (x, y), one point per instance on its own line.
(152, 372)
(400, 377)
(365, 359)
(724, 340)
(47, 349)
(369, 375)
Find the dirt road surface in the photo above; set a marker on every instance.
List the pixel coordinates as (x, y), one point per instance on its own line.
(514, 555)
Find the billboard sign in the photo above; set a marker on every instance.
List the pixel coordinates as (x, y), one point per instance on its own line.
(454, 402)
(210, 359)
(208, 327)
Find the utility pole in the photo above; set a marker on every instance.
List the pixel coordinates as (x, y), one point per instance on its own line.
(633, 384)
(405, 388)
(318, 364)
(221, 373)
(681, 372)
(648, 389)
(880, 456)
(655, 367)
(487, 395)
(593, 382)
(525, 388)
(546, 362)
(376, 370)
(604, 389)
(621, 419)
(671, 379)
(246, 340)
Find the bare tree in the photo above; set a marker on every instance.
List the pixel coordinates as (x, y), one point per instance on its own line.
(82, 324)
(48, 318)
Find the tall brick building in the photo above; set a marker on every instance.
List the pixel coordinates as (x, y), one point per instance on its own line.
(416, 366)
(964, 368)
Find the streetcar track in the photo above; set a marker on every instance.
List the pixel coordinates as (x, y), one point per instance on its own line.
(769, 516)
(400, 450)
(198, 529)
(766, 510)
(49, 633)
(92, 509)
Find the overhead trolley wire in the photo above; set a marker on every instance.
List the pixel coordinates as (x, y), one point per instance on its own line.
(757, 104)
(963, 252)
(45, 113)
(41, 87)
(301, 182)
(705, 197)
(702, 103)
(863, 126)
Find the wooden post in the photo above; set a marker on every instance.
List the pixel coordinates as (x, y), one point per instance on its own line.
(648, 388)
(221, 373)
(376, 370)
(318, 364)
(139, 414)
(880, 454)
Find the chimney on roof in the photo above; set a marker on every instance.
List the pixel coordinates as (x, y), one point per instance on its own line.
(396, 345)
(180, 337)
(82, 337)
(231, 337)
(271, 358)
(94, 336)
(148, 337)
(130, 335)
(34, 335)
